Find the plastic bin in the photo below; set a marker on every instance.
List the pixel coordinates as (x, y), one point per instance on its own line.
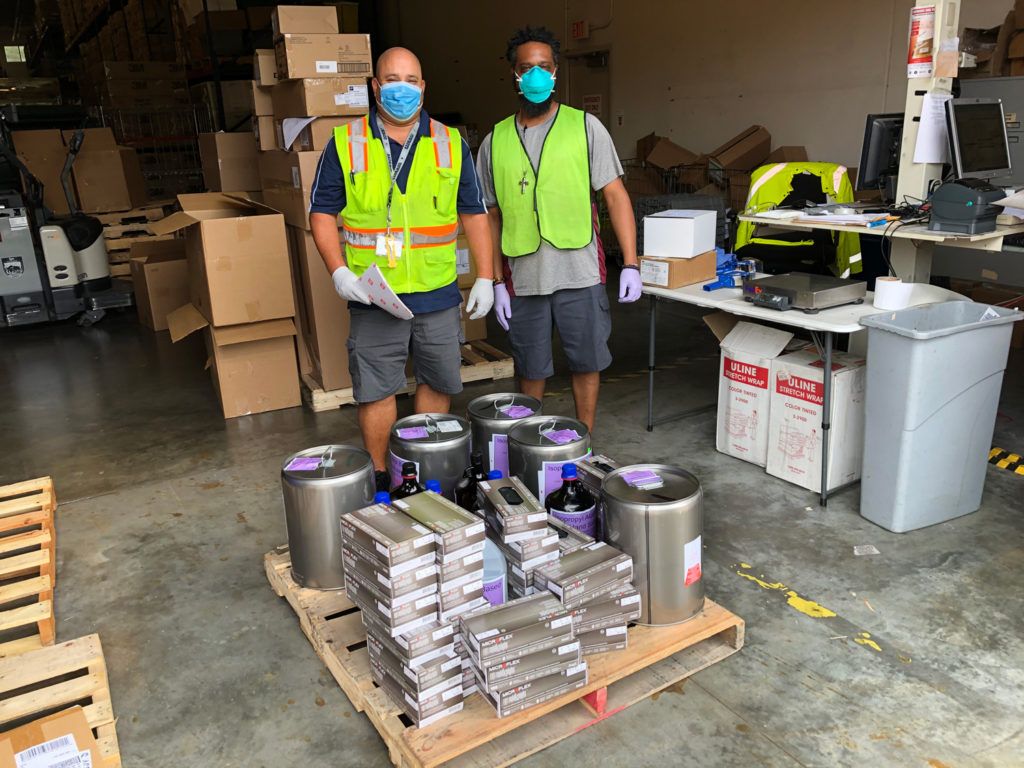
(934, 375)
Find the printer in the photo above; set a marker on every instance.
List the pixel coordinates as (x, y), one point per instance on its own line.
(965, 207)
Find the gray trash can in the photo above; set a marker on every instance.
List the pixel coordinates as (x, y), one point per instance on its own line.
(933, 379)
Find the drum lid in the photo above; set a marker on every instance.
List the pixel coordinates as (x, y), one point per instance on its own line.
(430, 428)
(326, 461)
(547, 431)
(650, 484)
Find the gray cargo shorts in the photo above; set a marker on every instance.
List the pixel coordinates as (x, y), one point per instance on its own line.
(379, 345)
(584, 324)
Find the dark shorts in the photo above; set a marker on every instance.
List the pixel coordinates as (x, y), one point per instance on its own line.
(379, 345)
(584, 324)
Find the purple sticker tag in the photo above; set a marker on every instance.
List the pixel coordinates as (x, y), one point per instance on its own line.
(562, 436)
(499, 454)
(517, 411)
(413, 433)
(584, 521)
(494, 591)
(640, 476)
(303, 465)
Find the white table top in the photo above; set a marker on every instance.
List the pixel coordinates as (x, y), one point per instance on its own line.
(905, 232)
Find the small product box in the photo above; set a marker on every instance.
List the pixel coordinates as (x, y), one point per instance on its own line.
(794, 428)
(614, 638)
(744, 399)
(399, 588)
(679, 234)
(422, 711)
(516, 628)
(569, 539)
(530, 553)
(423, 680)
(518, 698)
(619, 606)
(461, 600)
(582, 575)
(512, 510)
(416, 646)
(399, 542)
(672, 273)
(511, 674)
(398, 619)
(461, 570)
(457, 532)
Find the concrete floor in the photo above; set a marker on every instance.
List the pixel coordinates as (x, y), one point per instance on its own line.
(166, 511)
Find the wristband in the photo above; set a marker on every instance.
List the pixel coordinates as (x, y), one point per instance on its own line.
(631, 266)
(498, 281)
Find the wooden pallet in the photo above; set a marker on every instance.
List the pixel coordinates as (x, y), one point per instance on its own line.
(479, 361)
(49, 680)
(656, 658)
(152, 212)
(27, 566)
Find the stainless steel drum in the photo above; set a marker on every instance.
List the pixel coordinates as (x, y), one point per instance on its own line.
(492, 416)
(437, 443)
(319, 486)
(538, 446)
(654, 513)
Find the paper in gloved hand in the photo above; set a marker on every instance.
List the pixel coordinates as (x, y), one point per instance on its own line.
(381, 295)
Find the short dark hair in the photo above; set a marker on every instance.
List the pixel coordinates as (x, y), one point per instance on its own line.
(532, 35)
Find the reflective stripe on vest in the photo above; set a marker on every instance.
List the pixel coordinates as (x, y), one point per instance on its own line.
(419, 237)
(358, 144)
(442, 146)
(777, 168)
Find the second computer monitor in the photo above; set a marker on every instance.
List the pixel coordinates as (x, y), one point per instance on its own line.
(880, 154)
(977, 138)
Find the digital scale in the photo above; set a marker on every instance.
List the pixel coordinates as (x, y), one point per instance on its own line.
(799, 290)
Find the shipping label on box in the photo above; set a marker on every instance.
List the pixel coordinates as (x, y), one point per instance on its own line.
(744, 399)
(679, 233)
(321, 97)
(795, 435)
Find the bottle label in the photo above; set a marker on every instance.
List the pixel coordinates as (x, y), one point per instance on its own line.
(549, 477)
(499, 454)
(584, 521)
(494, 590)
(396, 469)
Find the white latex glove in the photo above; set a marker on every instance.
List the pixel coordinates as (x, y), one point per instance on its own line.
(481, 298)
(348, 286)
(502, 305)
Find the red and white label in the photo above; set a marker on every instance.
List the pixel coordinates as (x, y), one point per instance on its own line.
(801, 389)
(691, 561)
(745, 373)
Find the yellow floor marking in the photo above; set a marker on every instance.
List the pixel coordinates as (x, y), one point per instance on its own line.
(805, 606)
(1013, 457)
(864, 639)
(1019, 470)
(1003, 464)
(994, 452)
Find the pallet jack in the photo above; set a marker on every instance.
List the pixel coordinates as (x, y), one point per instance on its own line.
(52, 267)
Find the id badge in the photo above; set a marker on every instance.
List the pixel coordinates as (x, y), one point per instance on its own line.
(394, 246)
(382, 246)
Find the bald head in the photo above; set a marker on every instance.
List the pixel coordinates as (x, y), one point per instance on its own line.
(399, 64)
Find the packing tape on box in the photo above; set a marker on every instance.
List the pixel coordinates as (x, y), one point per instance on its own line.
(892, 293)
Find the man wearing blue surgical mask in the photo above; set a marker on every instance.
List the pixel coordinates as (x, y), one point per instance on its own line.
(539, 169)
(401, 183)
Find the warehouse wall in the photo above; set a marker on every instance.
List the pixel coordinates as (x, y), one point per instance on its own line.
(694, 71)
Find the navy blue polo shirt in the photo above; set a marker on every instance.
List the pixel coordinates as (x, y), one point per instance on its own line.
(328, 197)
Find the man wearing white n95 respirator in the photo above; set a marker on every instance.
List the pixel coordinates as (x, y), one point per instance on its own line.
(401, 183)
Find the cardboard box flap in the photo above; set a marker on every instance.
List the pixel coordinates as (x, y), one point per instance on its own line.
(667, 154)
(720, 323)
(237, 334)
(203, 206)
(756, 339)
(153, 251)
(184, 321)
(736, 140)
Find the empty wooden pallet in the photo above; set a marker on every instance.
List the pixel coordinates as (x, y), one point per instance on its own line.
(27, 566)
(49, 680)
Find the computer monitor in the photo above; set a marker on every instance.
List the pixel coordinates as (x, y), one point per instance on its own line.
(880, 155)
(977, 138)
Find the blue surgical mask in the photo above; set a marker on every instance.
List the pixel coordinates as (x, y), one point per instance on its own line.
(536, 85)
(401, 99)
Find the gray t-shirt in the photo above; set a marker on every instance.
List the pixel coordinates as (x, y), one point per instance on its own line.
(550, 269)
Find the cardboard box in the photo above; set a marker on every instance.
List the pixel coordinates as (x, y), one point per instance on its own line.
(229, 162)
(511, 510)
(302, 19)
(399, 619)
(456, 532)
(263, 132)
(794, 423)
(237, 258)
(581, 575)
(92, 139)
(286, 179)
(675, 273)
(108, 180)
(422, 712)
(743, 152)
(319, 55)
(465, 267)
(44, 153)
(265, 67)
(314, 135)
(787, 155)
(744, 400)
(514, 629)
(665, 154)
(70, 722)
(423, 680)
(325, 320)
(253, 365)
(679, 233)
(321, 97)
(262, 101)
(512, 674)
(569, 538)
(471, 329)
(462, 600)
(160, 279)
(424, 643)
(408, 586)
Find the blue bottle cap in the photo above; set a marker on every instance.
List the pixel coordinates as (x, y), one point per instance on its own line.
(433, 485)
(494, 474)
(569, 472)
(382, 497)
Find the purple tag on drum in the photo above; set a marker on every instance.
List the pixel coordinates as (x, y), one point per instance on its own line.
(584, 521)
(413, 433)
(303, 465)
(517, 411)
(499, 454)
(562, 436)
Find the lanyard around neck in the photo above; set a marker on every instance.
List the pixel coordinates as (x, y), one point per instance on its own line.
(393, 167)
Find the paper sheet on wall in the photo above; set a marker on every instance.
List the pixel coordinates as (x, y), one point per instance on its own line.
(932, 139)
(381, 294)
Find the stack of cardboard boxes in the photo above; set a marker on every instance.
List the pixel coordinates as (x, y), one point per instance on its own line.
(679, 248)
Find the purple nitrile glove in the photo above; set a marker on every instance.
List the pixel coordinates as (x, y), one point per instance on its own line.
(502, 305)
(630, 286)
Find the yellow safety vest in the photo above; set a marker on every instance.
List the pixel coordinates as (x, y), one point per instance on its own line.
(770, 184)
(424, 218)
